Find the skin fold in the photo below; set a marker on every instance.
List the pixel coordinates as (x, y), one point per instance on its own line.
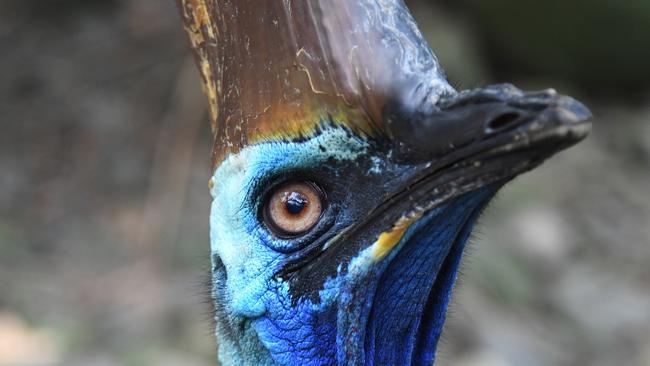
(347, 97)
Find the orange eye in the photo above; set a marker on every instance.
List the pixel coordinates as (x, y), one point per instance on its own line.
(293, 209)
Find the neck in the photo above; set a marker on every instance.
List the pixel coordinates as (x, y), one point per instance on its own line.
(390, 314)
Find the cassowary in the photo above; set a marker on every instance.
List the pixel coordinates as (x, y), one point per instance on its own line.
(347, 176)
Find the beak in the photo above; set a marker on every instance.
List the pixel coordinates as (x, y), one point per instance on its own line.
(487, 116)
(474, 139)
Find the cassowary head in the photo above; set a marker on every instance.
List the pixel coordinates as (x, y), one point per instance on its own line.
(348, 175)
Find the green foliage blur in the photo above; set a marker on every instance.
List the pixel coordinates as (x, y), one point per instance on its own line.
(601, 44)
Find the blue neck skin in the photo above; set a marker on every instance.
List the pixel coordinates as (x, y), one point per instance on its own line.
(389, 313)
(414, 288)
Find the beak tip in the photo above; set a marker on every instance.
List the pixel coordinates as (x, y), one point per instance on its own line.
(570, 111)
(575, 116)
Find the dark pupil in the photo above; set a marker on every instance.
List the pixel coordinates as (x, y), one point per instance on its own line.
(295, 203)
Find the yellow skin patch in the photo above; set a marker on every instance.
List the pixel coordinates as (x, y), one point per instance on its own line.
(389, 239)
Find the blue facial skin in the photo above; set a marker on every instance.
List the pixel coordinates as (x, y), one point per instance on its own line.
(387, 311)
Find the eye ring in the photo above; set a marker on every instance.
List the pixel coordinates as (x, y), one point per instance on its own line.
(293, 208)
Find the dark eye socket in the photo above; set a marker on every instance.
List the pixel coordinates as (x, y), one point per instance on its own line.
(293, 208)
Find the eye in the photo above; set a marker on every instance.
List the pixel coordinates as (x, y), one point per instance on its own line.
(293, 208)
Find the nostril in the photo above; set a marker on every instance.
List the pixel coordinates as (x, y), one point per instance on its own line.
(503, 121)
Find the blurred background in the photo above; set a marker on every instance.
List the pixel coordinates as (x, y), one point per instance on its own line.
(104, 164)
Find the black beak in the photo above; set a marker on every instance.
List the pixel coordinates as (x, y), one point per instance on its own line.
(470, 140)
(432, 131)
(467, 141)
